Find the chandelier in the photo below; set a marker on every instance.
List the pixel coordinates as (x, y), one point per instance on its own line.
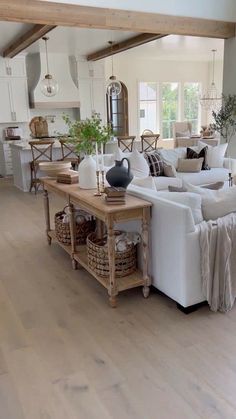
(211, 100)
(113, 86)
(49, 86)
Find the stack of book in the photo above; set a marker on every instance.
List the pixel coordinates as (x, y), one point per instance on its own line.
(114, 196)
(69, 177)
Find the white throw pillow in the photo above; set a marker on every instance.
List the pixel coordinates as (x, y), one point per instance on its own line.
(138, 164)
(172, 156)
(119, 154)
(215, 154)
(191, 200)
(222, 203)
(145, 182)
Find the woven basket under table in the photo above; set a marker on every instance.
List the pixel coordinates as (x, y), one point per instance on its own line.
(97, 251)
(82, 230)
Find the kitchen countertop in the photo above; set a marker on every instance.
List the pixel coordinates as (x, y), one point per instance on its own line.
(24, 145)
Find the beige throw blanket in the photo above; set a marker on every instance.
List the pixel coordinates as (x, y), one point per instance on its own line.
(218, 262)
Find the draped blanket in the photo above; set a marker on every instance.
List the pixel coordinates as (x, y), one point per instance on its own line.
(218, 262)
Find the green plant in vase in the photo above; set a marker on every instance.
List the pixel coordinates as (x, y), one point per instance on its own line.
(225, 118)
(84, 135)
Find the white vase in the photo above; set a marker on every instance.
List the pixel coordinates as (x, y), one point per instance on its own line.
(87, 173)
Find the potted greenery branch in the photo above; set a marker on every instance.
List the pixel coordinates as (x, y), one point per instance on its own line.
(84, 135)
(225, 118)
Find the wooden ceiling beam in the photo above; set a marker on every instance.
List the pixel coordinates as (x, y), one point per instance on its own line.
(61, 14)
(24, 41)
(133, 42)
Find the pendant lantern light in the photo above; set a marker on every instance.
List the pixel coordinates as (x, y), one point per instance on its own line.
(49, 86)
(211, 100)
(114, 86)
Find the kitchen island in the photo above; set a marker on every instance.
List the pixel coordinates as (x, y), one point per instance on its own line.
(21, 158)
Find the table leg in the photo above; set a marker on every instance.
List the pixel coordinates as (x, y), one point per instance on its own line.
(145, 243)
(47, 215)
(112, 290)
(72, 235)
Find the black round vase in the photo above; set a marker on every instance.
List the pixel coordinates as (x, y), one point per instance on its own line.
(119, 176)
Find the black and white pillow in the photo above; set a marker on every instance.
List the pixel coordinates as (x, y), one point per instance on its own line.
(155, 162)
(192, 154)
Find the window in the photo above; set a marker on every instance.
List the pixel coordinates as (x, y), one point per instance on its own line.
(148, 106)
(170, 108)
(117, 112)
(191, 105)
(161, 104)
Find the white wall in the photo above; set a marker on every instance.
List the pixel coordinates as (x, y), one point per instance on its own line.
(229, 80)
(131, 70)
(211, 9)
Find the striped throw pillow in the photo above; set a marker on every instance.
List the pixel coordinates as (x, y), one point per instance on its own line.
(155, 162)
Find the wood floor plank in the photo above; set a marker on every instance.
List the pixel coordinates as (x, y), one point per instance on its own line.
(64, 353)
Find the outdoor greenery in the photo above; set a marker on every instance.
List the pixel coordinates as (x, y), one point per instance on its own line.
(169, 108)
(225, 118)
(85, 134)
(191, 105)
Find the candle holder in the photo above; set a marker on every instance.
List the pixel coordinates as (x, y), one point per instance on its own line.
(230, 180)
(103, 181)
(98, 193)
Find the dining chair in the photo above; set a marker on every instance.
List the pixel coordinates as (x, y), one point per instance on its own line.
(41, 152)
(69, 154)
(125, 143)
(149, 142)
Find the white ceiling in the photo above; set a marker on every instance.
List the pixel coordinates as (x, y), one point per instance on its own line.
(81, 41)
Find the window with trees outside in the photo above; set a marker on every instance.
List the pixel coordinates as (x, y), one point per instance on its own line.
(161, 104)
(191, 105)
(170, 108)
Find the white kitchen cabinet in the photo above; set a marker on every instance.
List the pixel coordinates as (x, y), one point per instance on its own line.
(92, 93)
(6, 109)
(99, 97)
(14, 106)
(12, 67)
(20, 100)
(5, 159)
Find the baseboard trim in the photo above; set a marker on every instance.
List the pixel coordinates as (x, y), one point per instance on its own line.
(191, 309)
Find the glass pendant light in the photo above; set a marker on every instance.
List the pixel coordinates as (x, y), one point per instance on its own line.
(114, 86)
(211, 100)
(49, 86)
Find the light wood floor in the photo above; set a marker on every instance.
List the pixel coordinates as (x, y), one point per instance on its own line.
(65, 354)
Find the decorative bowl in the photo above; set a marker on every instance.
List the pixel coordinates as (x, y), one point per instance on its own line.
(53, 168)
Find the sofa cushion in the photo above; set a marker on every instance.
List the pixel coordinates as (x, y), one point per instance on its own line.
(147, 182)
(215, 154)
(190, 165)
(171, 156)
(169, 170)
(215, 203)
(162, 182)
(192, 154)
(191, 200)
(219, 204)
(155, 162)
(205, 176)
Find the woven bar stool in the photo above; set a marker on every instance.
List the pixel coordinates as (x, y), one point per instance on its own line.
(125, 143)
(69, 154)
(149, 142)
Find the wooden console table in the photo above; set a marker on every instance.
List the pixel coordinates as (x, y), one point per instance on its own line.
(134, 208)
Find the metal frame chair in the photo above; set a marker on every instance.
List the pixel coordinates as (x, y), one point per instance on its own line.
(149, 142)
(125, 143)
(41, 152)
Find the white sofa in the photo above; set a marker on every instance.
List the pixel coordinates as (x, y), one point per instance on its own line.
(175, 251)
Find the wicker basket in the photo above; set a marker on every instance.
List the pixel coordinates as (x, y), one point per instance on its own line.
(125, 261)
(62, 230)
